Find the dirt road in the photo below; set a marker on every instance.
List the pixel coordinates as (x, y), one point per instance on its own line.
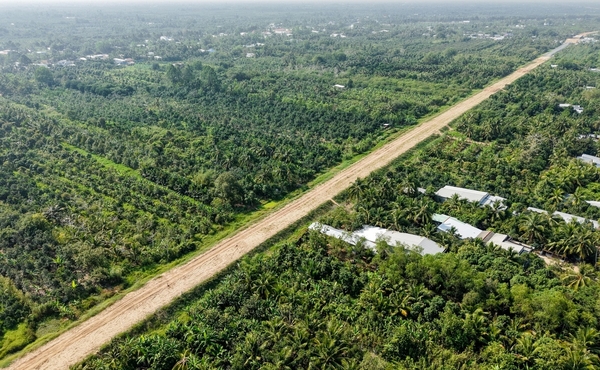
(85, 339)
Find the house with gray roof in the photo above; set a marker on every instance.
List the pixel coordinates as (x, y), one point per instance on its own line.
(369, 236)
(480, 197)
(593, 160)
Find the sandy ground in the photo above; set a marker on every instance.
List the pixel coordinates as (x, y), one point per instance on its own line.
(74, 345)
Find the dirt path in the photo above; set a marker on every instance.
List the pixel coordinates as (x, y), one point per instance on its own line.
(74, 345)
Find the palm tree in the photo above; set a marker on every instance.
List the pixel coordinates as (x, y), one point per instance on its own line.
(364, 215)
(477, 321)
(187, 361)
(329, 348)
(556, 198)
(419, 212)
(429, 230)
(408, 186)
(584, 276)
(53, 213)
(581, 244)
(534, 228)
(576, 199)
(379, 216)
(498, 212)
(454, 203)
(579, 359)
(264, 284)
(356, 191)
(400, 302)
(527, 348)
(588, 338)
(516, 328)
(282, 360)
(562, 234)
(396, 216)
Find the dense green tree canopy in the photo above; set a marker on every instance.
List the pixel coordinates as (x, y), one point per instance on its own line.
(133, 136)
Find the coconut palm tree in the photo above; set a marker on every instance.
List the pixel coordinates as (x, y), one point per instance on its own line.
(397, 215)
(577, 358)
(576, 199)
(556, 198)
(588, 338)
(527, 348)
(534, 228)
(420, 212)
(582, 277)
(329, 347)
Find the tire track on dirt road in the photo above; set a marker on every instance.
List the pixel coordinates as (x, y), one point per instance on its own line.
(75, 344)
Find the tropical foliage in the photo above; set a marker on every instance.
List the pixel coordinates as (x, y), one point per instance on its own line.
(317, 302)
(108, 172)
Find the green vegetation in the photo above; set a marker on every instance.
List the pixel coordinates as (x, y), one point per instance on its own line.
(129, 140)
(317, 302)
(17, 339)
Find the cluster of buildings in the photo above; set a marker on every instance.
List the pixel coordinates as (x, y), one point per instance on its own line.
(590, 136)
(483, 199)
(72, 63)
(282, 31)
(369, 236)
(96, 57)
(466, 231)
(65, 63)
(151, 55)
(273, 30)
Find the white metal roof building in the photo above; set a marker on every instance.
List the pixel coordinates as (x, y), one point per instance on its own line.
(394, 238)
(576, 108)
(593, 203)
(505, 242)
(537, 210)
(463, 230)
(480, 197)
(345, 236)
(590, 159)
(370, 235)
(566, 216)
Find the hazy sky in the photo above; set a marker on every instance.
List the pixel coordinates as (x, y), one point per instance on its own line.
(281, 2)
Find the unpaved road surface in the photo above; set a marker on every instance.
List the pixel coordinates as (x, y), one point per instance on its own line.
(74, 345)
